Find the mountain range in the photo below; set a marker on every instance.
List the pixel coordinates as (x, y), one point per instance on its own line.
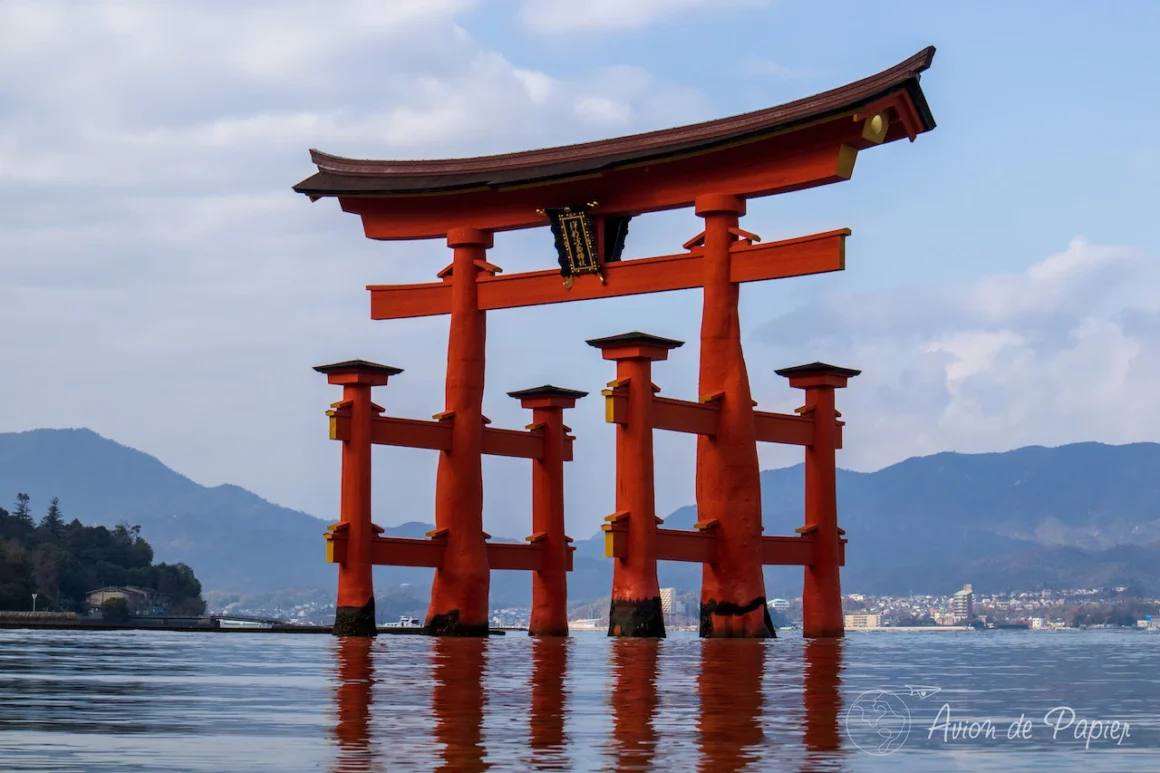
(1080, 515)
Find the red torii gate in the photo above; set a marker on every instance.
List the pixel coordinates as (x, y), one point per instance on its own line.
(595, 188)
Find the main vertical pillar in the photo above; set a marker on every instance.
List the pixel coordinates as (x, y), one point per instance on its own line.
(355, 608)
(549, 585)
(636, 594)
(459, 593)
(728, 473)
(822, 588)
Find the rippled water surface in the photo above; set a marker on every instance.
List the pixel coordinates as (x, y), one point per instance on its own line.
(166, 701)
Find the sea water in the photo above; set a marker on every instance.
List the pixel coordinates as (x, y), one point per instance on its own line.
(970, 701)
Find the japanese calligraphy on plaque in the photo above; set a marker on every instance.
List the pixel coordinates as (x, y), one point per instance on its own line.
(576, 244)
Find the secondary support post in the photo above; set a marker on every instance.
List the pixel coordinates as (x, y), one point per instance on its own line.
(355, 608)
(550, 584)
(728, 473)
(636, 594)
(459, 593)
(822, 588)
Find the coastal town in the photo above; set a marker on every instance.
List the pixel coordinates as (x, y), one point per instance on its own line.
(1073, 608)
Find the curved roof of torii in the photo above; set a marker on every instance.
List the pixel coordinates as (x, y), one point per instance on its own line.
(346, 177)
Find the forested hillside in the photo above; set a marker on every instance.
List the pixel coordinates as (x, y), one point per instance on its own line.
(61, 561)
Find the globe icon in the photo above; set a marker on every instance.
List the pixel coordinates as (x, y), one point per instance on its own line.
(878, 722)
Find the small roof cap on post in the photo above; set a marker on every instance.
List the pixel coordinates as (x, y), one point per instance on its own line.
(635, 345)
(548, 396)
(358, 372)
(547, 390)
(635, 338)
(817, 374)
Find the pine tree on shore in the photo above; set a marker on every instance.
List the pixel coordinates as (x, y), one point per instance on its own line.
(52, 521)
(22, 510)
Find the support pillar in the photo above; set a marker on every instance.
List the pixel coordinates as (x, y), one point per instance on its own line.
(549, 585)
(636, 594)
(728, 472)
(355, 607)
(459, 593)
(822, 588)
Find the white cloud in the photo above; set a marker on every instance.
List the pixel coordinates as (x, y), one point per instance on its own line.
(169, 290)
(392, 95)
(549, 16)
(1049, 355)
(766, 68)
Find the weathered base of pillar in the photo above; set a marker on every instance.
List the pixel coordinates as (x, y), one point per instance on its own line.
(448, 624)
(823, 633)
(740, 629)
(355, 621)
(640, 618)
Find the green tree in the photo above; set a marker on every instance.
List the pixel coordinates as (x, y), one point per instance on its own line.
(115, 611)
(19, 524)
(52, 522)
(64, 561)
(16, 586)
(22, 511)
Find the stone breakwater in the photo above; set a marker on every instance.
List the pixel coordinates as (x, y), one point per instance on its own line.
(42, 618)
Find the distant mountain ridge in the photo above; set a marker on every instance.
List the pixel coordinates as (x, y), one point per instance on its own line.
(1077, 515)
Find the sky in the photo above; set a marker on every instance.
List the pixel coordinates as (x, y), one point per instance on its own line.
(161, 284)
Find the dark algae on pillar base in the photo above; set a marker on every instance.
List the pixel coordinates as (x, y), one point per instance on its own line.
(727, 609)
(641, 619)
(448, 625)
(355, 621)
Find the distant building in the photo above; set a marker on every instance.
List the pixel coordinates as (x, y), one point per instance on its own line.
(670, 605)
(779, 605)
(962, 605)
(862, 621)
(141, 601)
